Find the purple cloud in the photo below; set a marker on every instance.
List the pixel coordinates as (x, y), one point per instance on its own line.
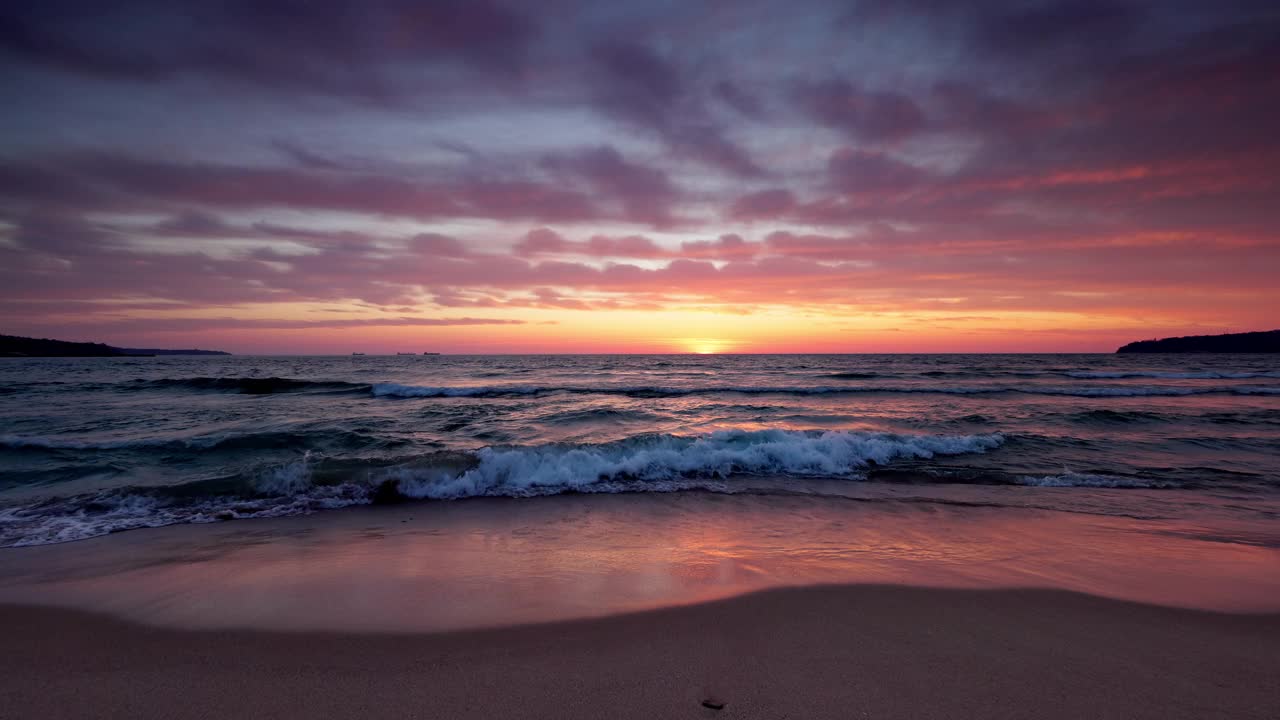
(410, 158)
(867, 115)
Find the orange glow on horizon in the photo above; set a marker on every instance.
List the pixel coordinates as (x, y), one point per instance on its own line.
(307, 329)
(706, 346)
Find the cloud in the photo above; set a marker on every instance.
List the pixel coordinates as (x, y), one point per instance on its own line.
(642, 194)
(877, 268)
(746, 104)
(546, 242)
(763, 204)
(725, 247)
(120, 182)
(437, 245)
(417, 159)
(864, 171)
(873, 116)
(541, 241)
(351, 50)
(204, 324)
(634, 85)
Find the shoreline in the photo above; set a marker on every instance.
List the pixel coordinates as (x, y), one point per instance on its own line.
(877, 651)
(491, 563)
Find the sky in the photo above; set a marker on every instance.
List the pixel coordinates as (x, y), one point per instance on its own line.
(280, 176)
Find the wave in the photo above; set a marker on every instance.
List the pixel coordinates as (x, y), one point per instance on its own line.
(284, 439)
(1200, 375)
(1260, 390)
(986, 373)
(646, 463)
(282, 491)
(1091, 480)
(720, 454)
(732, 461)
(278, 385)
(853, 375)
(414, 391)
(1109, 416)
(1074, 374)
(1251, 417)
(995, 372)
(594, 415)
(251, 385)
(395, 390)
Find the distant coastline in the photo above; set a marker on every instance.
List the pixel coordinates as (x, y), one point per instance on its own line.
(1250, 342)
(16, 346)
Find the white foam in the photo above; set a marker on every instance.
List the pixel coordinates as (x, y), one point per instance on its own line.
(654, 463)
(288, 479)
(286, 490)
(537, 470)
(1074, 479)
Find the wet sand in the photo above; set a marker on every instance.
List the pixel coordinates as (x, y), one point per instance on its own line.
(644, 607)
(461, 566)
(817, 652)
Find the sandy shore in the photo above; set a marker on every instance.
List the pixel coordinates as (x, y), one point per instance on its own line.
(820, 652)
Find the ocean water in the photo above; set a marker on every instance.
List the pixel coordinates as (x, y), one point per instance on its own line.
(90, 446)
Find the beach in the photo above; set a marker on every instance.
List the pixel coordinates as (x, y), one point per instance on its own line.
(819, 652)
(769, 359)
(644, 606)
(594, 536)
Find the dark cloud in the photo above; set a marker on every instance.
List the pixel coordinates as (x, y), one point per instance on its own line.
(539, 241)
(763, 204)
(1057, 28)
(129, 183)
(866, 171)
(351, 49)
(636, 86)
(393, 155)
(437, 245)
(203, 324)
(644, 194)
(739, 99)
(873, 116)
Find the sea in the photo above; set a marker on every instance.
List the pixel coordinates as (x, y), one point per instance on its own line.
(91, 446)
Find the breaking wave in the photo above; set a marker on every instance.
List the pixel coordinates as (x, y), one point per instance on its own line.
(646, 463)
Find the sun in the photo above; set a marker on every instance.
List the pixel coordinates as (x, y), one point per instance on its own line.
(705, 346)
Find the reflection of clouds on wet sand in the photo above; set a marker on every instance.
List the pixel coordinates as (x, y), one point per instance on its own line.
(499, 562)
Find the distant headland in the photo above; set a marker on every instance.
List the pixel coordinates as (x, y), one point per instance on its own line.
(14, 346)
(1250, 342)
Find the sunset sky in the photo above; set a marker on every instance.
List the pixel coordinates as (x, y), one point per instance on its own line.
(564, 176)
